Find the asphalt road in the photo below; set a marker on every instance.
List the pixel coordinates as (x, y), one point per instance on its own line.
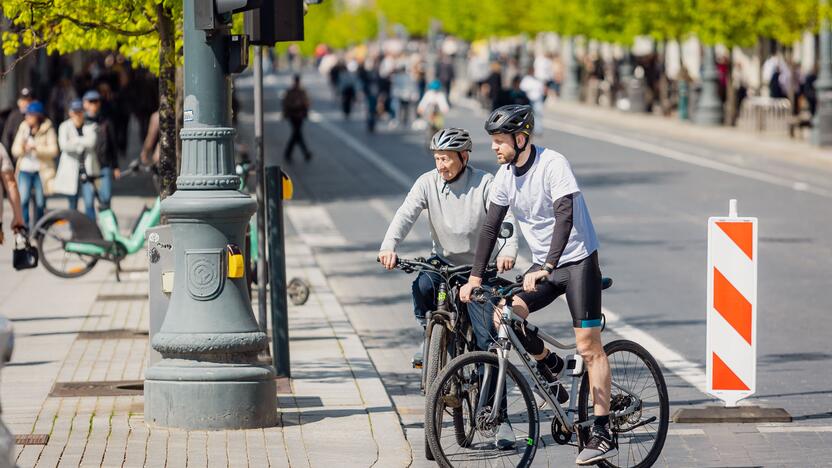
(650, 198)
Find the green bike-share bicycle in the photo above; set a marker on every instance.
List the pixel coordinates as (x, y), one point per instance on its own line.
(70, 244)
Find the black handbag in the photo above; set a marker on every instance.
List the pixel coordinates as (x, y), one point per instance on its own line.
(24, 256)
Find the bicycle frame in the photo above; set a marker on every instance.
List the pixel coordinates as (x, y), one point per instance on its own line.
(505, 340)
(108, 223)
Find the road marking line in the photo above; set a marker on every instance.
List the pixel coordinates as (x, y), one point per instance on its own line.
(316, 225)
(689, 371)
(773, 429)
(676, 155)
(684, 157)
(371, 156)
(685, 432)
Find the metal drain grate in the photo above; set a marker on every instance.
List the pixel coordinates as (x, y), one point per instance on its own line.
(106, 388)
(31, 439)
(121, 297)
(112, 334)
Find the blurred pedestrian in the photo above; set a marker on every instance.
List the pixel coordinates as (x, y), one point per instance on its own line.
(536, 92)
(514, 95)
(347, 84)
(495, 84)
(77, 139)
(371, 87)
(106, 146)
(35, 147)
(433, 107)
(10, 187)
(15, 118)
(405, 92)
(295, 110)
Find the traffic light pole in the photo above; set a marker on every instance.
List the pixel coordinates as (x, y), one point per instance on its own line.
(209, 376)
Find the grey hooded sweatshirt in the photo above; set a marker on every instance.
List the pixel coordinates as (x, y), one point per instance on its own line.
(456, 212)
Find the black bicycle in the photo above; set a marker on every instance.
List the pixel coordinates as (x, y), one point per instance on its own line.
(487, 389)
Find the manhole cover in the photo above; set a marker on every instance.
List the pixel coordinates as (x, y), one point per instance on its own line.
(112, 334)
(121, 297)
(106, 388)
(31, 439)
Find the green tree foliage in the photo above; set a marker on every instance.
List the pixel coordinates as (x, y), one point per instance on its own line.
(64, 26)
(332, 23)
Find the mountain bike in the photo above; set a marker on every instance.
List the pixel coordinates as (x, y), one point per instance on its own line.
(448, 330)
(70, 244)
(481, 390)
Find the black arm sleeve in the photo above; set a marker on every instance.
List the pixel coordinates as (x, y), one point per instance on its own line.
(563, 226)
(488, 237)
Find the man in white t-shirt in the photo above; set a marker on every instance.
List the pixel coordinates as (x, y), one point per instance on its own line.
(538, 186)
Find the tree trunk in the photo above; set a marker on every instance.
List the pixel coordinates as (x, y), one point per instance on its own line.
(168, 168)
(730, 92)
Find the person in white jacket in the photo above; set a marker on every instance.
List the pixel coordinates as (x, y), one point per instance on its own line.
(77, 139)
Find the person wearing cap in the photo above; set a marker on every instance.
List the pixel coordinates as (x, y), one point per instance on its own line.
(15, 118)
(77, 139)
(106, 145)
(35, 147)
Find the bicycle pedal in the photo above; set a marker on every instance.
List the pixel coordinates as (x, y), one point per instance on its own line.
(416, 365)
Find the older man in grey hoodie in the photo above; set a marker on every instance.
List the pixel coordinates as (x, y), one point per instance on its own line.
(456, 198)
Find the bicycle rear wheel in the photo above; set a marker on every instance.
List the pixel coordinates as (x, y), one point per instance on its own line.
(50, 242)
(640, 433)
(462, 382)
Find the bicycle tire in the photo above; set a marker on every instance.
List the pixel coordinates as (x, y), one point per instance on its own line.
(626, 346)
(433, 407)
(87, 261)
(437, 358)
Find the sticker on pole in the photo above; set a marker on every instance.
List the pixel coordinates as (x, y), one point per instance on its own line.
(731, 344)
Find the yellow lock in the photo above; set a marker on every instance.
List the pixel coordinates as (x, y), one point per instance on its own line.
(236, 262)
(288, 186)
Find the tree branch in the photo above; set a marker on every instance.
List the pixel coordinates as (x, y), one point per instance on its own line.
(90, 25)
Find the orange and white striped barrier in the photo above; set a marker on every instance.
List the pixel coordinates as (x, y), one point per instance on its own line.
(732, 307)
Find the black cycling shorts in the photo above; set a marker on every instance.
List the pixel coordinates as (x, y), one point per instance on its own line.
(581, 281)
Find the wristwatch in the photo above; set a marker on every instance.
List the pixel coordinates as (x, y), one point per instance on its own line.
(548, 268)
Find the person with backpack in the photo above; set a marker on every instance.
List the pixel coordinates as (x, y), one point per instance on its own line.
(295, 110)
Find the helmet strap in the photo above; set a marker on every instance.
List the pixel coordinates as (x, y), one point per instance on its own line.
(517, 148)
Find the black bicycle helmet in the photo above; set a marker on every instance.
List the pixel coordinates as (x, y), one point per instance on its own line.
(451, 139)
(511, 119)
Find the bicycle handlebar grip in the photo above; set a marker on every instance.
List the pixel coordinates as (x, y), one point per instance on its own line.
(478, 295)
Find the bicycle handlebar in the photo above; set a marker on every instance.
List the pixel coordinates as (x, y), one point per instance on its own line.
(420, 263)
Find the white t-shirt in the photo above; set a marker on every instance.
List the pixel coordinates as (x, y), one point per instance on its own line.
(531, 198)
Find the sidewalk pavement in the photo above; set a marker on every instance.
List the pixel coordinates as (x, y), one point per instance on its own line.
(334, 410)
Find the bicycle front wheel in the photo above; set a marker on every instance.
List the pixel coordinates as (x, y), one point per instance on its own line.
(459, 424)
(437, 358)
(639, 409)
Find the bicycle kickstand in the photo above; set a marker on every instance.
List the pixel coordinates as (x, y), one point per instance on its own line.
(118, 271)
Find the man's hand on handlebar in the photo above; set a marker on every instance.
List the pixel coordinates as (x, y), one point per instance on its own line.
(504, 264)
(388, 259)
(474, 282)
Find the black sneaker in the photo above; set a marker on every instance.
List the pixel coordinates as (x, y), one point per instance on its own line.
(600, 447)
(549, 368)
